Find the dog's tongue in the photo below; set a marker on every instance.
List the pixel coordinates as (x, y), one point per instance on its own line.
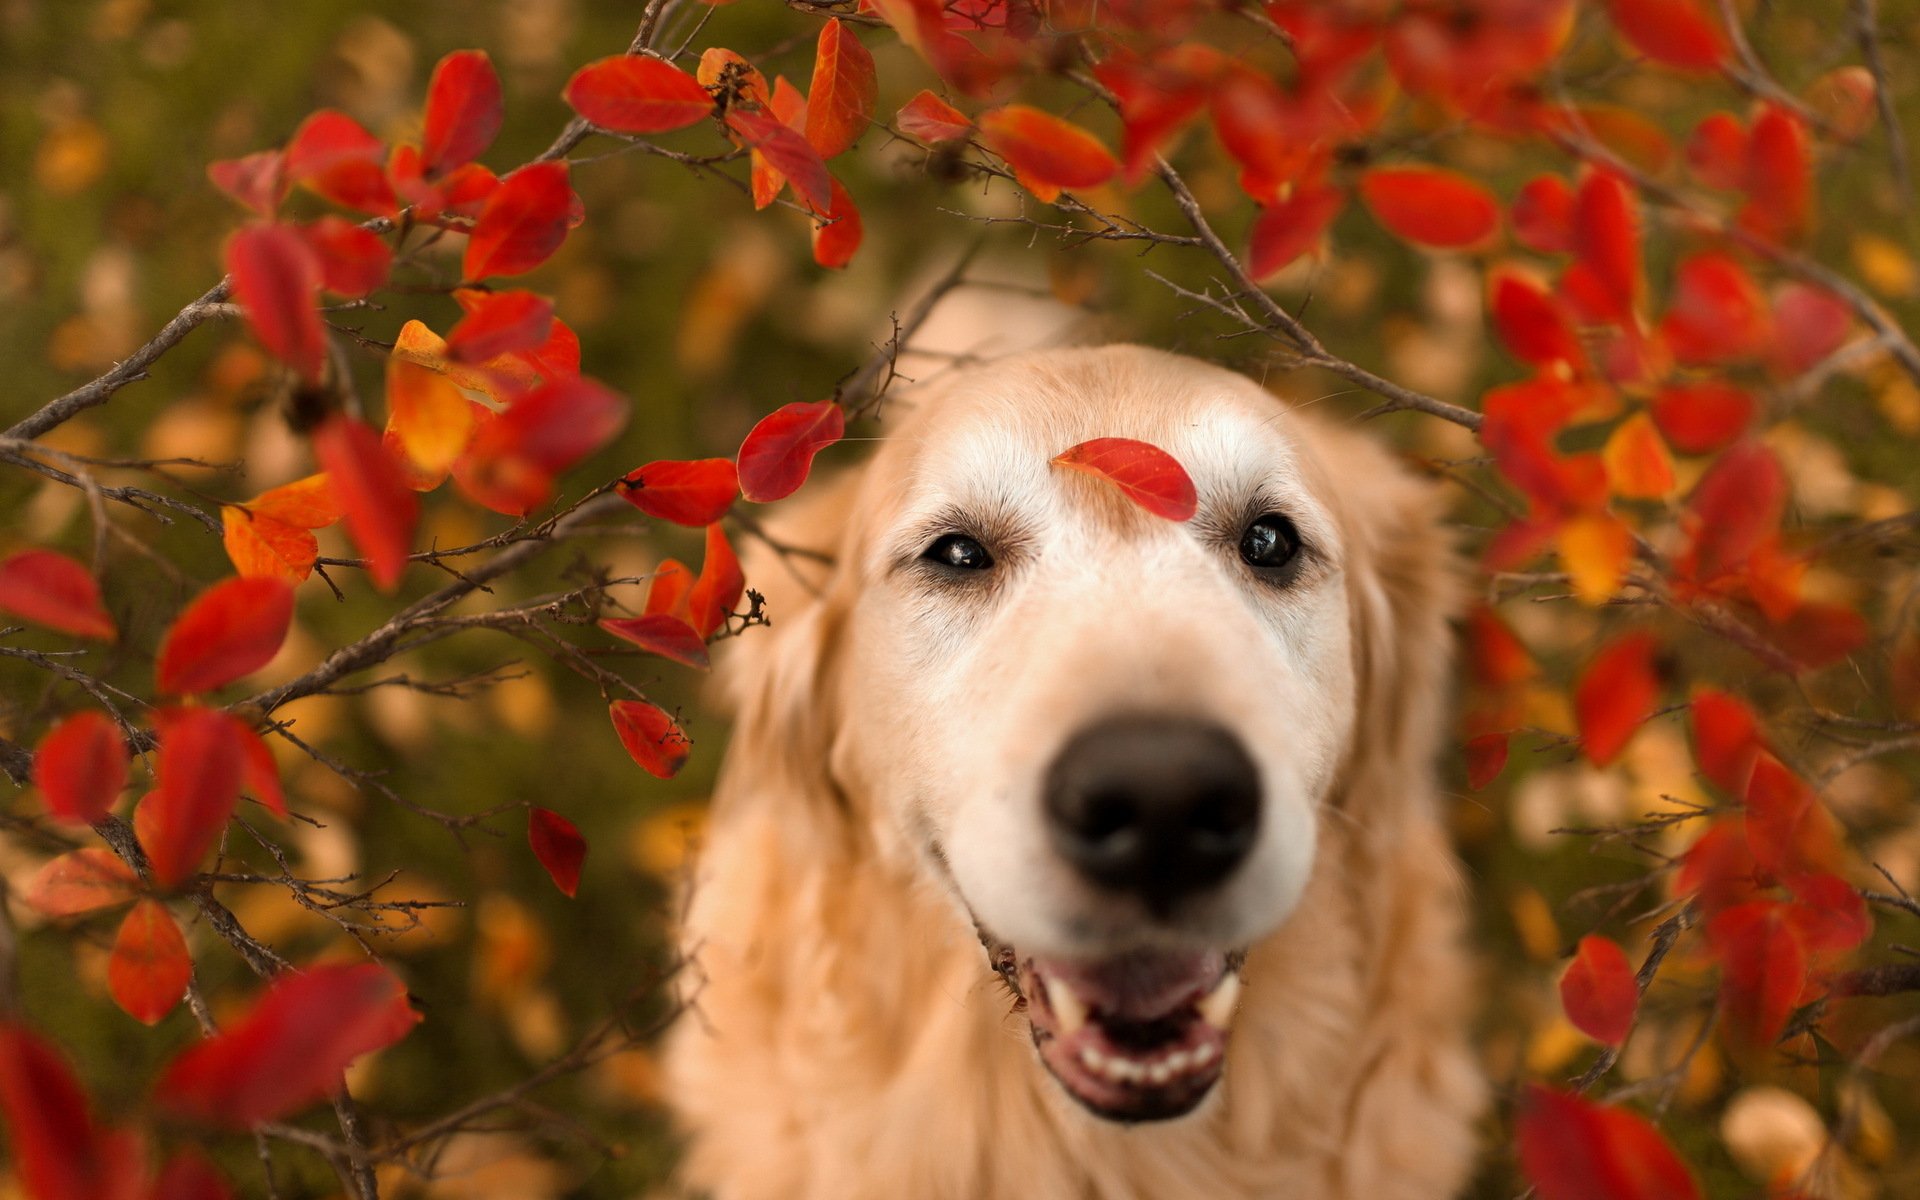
(1142, 985)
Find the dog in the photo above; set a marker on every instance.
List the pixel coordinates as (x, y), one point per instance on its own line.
(1064, 850)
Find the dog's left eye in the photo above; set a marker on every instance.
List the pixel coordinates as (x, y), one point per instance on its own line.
(1269, 542)
(960, 552)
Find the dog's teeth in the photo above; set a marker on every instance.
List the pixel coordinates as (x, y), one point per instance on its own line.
(1067, 1006)
(1179, 1060)
(1094, 1060)
(1217, 1006)
(1160, 1072)
(1204, 1053)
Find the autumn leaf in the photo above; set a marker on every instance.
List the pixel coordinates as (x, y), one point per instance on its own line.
(837, 235)
(257, 181)
(1675, 33)
(1809, 324)
(1486, 757)
(1286, 230)
(1430, 206)
(1144, 473)
(201, 762)
(712, 598)
(932, 119)
(1595, 549)
(637, 93)
(1615, 694)
(1543, 215)
(58, 1151)
(515, 456)
(1779, 176)
(53, 590)
(1763, 967)
(353, 261)
(523, 222)
(841, 96)
(1574, 1149)
(663, 634)
(276, 281)
(1048, 155)
(1717, 152)
(557, 843)
(149, 967)
(670, 590)
(1638, 465)
(498, 323)
(81, 881)
(427, 413)
(1700, 418)
(333, 156)
(379, 507)
(80, 767)
(777, 454)
(1606, 241)
(230, 630)
(1716, 314)
(788, 152)
(695, 494)
(1531, 322)
(651, 737)
(1736, 505)
(464, 111)
(1598, 991)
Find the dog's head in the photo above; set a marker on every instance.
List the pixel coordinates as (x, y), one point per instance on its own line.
(1108, 736)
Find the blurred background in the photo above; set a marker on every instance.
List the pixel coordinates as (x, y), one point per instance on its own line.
(708, 315)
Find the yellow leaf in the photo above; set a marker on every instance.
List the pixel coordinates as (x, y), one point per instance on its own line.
(1595, 549)
(427, 413)
(260, 544)
(1638, 464)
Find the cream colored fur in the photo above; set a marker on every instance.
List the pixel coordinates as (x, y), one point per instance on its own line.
(849, 1040)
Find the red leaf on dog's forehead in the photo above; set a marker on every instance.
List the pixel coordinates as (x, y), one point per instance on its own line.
(840, 98)
(522, 223)
(379, 507)
(201, 764)
(651, 737)
(637, 93)
(1574, 1149)
(695, 493)
(777, 454)
(1430, 206)
(1676, 33)
(1726, 739)
(81, 766)
(1598, 991)
(149, 968)
(81, 881)
(333, 156)
(1144, 473)
(557, 843)
(53, 590)
(463, 111)
(663, 634)
(276, 280)
(932, 119)
(291, 1048)
(1543, 215)
(497, 323)
(1486, 757)
(232, 629)
(1615, 694)
(718, 589)
(1699, 418)
(1048, 155)
(258, 181)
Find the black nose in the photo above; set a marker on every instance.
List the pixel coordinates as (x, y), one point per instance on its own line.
(1158, 807)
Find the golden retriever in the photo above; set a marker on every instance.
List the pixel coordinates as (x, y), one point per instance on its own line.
(1067, 851)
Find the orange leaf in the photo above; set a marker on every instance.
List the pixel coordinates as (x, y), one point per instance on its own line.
(1638, 465)
(427, 413)
(1048, 155)
(663, 634)
(308, 503)
(81, 766)
(149, 968)
(1595, 549)
(232, 629)
(711, 599)
(261, 545)
(1144, 473)
(1598, 991)
(81, 881)
(379, 507)
(696, 493)
(637, 93)
(557, 843)
(53, 590)
(1676, 33)
(1574, 1149)
(787, 152)
(777, 454)
(932, 119)
(670, 590)
(841, 96)
(1615, 694)
(1430, 206)
(651, 737)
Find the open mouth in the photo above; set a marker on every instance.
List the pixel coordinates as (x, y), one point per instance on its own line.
(1141, 1036)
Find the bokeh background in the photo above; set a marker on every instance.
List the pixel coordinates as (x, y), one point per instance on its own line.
(708, 315)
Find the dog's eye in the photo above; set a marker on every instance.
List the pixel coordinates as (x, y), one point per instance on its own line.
(960, 552)
(1270, 542)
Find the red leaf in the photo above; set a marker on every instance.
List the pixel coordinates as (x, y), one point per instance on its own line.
(1598, 991)
(1828, 915)
(258, 181)
(522, 223)
(670, 590)
(188, 1176)
(53, 590)
(1531, 322)
(1495, 654)
(1256, 126)
(353, 261)
(1726, 739)
(334, 157)
(1676, 33)
(1763, 967)
(1819, 635)
(464, 110)
(1718, 868)
(58, 1151)
(1543, 215)
(1809, 324)
(1735, 507)
(379, 507)
(259, 545)
(1788, 830)
(1486, 758)
(81, 766)
(291, 1048)
(1615, 694)
(1779, 176)
(651, 737)
(1430, 206)
(840, 98)
(276, 280)
(777, 454)
(558, 423)
(837, 236)
(558, 845)
(787, 152)
(932, 119)
(202, 760)
(232, 629)
(662, 634)
(1048, 155)
(1716, 313)
(1717, 152)
(1285, 231)
(499, 323)
(1157, 95)
(1145, 474)
(1574, 1149)
(636, 93)
(696, 493)
(1606, 239)
(81, 881)
(711, 599)
(149, 968)
(260, 774)
(1699, 418)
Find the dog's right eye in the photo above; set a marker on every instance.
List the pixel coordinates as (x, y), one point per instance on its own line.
(960, 552)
